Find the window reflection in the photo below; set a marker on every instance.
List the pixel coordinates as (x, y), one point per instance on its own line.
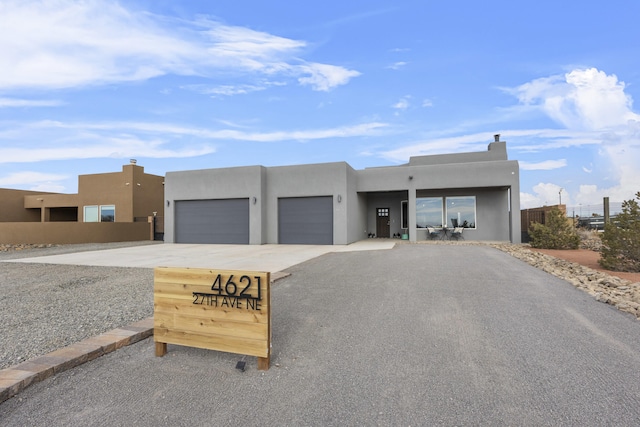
(429, 212)
(461, 211)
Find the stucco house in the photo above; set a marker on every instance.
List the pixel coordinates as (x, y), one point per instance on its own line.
(331, 203)
(109, 207)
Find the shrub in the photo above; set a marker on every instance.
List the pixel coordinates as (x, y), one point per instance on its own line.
(621, 239)
(556, 233)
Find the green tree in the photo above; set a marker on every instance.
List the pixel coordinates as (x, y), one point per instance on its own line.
(556, 233)
(621, 239)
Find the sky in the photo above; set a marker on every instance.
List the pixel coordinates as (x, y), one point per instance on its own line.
(85, 86)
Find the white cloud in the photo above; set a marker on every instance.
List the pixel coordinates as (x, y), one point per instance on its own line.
(544, 165)
(586, 99)
(324, 77)
(427, 103)
(27, 177)
(397, 65)
(440, 145)
(13, 102)
(545, 194)
(61, 44)
(595, 110)
(402, 104)
(143, 139)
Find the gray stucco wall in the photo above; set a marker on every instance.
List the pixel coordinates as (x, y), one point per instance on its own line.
(223, 183)
(328, 179)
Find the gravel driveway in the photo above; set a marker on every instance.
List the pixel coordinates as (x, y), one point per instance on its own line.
(44, 307)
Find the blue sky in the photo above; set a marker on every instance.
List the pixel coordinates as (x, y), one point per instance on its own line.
(179, 85)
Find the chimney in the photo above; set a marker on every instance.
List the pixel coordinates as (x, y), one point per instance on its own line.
(133, 161)
(496, 137)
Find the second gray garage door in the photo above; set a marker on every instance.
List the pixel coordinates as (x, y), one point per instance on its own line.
(212, 221)
(305, 220)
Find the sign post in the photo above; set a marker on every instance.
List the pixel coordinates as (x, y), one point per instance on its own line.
(223, 310)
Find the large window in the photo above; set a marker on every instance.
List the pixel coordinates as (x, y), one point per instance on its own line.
(461, 211)
(458, 211)
(104, 213)
(429, 212)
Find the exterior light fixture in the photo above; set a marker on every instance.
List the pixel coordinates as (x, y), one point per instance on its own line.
(254, 199)
(168, 202)
(339, 198)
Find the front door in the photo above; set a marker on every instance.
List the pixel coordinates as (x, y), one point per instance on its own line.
(382, 222)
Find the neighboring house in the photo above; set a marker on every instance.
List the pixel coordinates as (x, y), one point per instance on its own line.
(331, 203)
(109, 207)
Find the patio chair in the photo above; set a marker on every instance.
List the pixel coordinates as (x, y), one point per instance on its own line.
(457, 233)
(434, 232)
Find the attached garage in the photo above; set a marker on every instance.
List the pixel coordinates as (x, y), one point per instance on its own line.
(224, 221)
(305, 220)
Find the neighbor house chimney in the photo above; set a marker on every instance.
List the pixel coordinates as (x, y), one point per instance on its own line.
(496, 137)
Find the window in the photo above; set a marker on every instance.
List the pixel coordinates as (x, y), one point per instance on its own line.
(458, 211)
(429, 212)
(107, 213)
(404, 208)
(90, 214)
(461, 211)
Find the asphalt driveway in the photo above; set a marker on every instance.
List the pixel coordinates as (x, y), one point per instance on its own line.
(415, 335)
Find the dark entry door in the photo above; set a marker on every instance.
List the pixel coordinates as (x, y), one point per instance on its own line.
(382, 222)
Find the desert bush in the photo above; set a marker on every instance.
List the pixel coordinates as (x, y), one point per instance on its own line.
(556, 233)
(589, 239)
(621, 239)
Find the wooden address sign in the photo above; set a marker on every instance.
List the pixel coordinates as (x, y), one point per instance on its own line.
(223, 310)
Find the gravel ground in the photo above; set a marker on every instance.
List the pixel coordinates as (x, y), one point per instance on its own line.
(45, 307)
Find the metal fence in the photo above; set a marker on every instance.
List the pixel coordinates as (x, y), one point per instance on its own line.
(583, 211)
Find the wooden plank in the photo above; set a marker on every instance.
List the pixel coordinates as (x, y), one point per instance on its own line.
(210, 326)
(211, 342)
(176, 306)
(185, 294)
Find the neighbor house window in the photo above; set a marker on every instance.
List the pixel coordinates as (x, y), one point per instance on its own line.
(104, 213)
(429, 212)
(90, 214)
(107, 213)
(461, 211)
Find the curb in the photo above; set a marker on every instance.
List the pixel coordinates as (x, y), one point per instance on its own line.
(16, 378)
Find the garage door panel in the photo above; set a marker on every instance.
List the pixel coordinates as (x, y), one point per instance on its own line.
(305, 220)
(223, 221)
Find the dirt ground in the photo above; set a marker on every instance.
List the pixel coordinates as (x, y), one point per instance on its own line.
(587, 258)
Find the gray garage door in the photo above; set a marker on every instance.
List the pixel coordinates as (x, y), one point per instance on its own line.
(212, 221)
(305, 220)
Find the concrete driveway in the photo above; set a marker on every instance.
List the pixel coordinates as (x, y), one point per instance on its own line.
(414, 335)
(272, 258)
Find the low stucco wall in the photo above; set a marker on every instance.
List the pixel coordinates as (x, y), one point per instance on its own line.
(73, 232)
